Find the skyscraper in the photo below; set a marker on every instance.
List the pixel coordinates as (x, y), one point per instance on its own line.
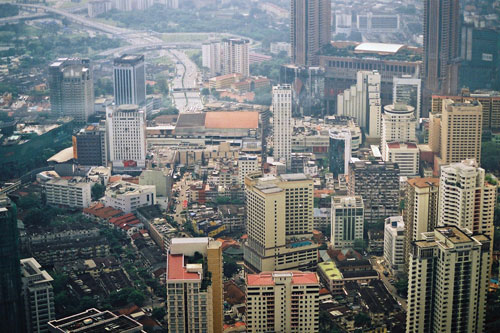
(347, 220)
(38, 296)
(282, 302)
(126, 127)
(398, 125)
(282, 124)
(279, 223)
(71, 88)
(211, 56)
(11, 308)
(234, 56)
(194, 290)
(362, 101)
(394, 236)
(310, 30)
(408, 90)
(339, 151)
(448, 281)
(129, 79)
(441, 46)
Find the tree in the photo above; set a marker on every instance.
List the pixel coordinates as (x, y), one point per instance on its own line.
(37, 216)
(136, 297)
(362, 319)
(98, 191)
(230, 268)
(490, 157)
(159, 313)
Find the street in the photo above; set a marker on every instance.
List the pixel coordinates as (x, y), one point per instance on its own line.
(377, 265)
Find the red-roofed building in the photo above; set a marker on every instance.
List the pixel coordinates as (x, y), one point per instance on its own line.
(128, 223)
(100, 213)
(297, 312)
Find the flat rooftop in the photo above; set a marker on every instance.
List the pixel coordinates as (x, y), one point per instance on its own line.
(293, 177)
(229, 120)
(268, 278)
(176, 269)
(453, 234)
(423, 182)
(381, 48)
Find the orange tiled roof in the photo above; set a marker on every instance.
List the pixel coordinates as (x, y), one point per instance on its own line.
(237, 119)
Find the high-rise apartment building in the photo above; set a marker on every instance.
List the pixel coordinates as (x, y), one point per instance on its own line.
(441, 46)
(461, 130)
(247, 164)
(310, 30)
(194, 289)
(421, 210)
(90, 146)
(279, 223)
(466, 200)
(126, 127)
(347, 220)
(11, 308)
(38, 296)
(129, 79)
(394, 243)
(211, 56)
(282, 124)
(408, 90)
(235, 56)
(398, 125)
(72, 88)
(362, 101)
(73, 193)
(448, 281)
(377, 182)
(339, 150)
(282, 302)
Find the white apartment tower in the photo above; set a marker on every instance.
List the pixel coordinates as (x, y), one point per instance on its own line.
(279, 223)
(282, 302)
(38, 296)
(126, 125)
(394, 243)
(235, 56)
(347, 220)
(407, 90)
(448, 282)
(211, 56)
(362, 101)
(398, 125)
(129, 79)
(465, 199)
(247, 164)
(282, 124)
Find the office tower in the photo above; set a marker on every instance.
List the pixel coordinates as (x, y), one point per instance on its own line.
(234, 56)
(339, 151)
(398, 125)
(282, 124)
(129, 79)
(279, 223)
(38, 296)
(93, 320)
(465, 199)
(377, 183)
(247, 164)
(405, 155)
(408, 90)
(479, 55)
(461, 130)
(71, 88)
(441, 46)
(11, 308)
(194, 285)
(421, 210)
(362, 101)
(310, 30)
(126, 127)
(211, 56)
(394, 243)
(448, 281)
(347, 220)
(282, 302)
(90, 146)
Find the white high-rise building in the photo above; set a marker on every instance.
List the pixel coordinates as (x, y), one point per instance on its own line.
(407, 90)
(347, 220)
(448, 281)
(38, 296)
(211, 56)
(247, 164)
(279, 223)
(362, 101)
(126, 126)
(398, 125)
(129, 79)
(75, 192)
(465, 199)
(405, 155)
(282, 124)
(235, 56)
(282, 302)
(394, 243)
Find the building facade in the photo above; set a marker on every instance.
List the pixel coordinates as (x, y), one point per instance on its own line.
(129, 79)
(127, 197)
(73, 193)
(282, 302)
(405, 155)
(347, 221)
(448, 281)
(38, 296)
(235, 56)
(394, 238)
(282, 124)
(247, 164)
(408, 90)
(399, 125)
(339, 151)
(90, 146)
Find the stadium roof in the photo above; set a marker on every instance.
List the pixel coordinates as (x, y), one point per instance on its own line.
(381, 48)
